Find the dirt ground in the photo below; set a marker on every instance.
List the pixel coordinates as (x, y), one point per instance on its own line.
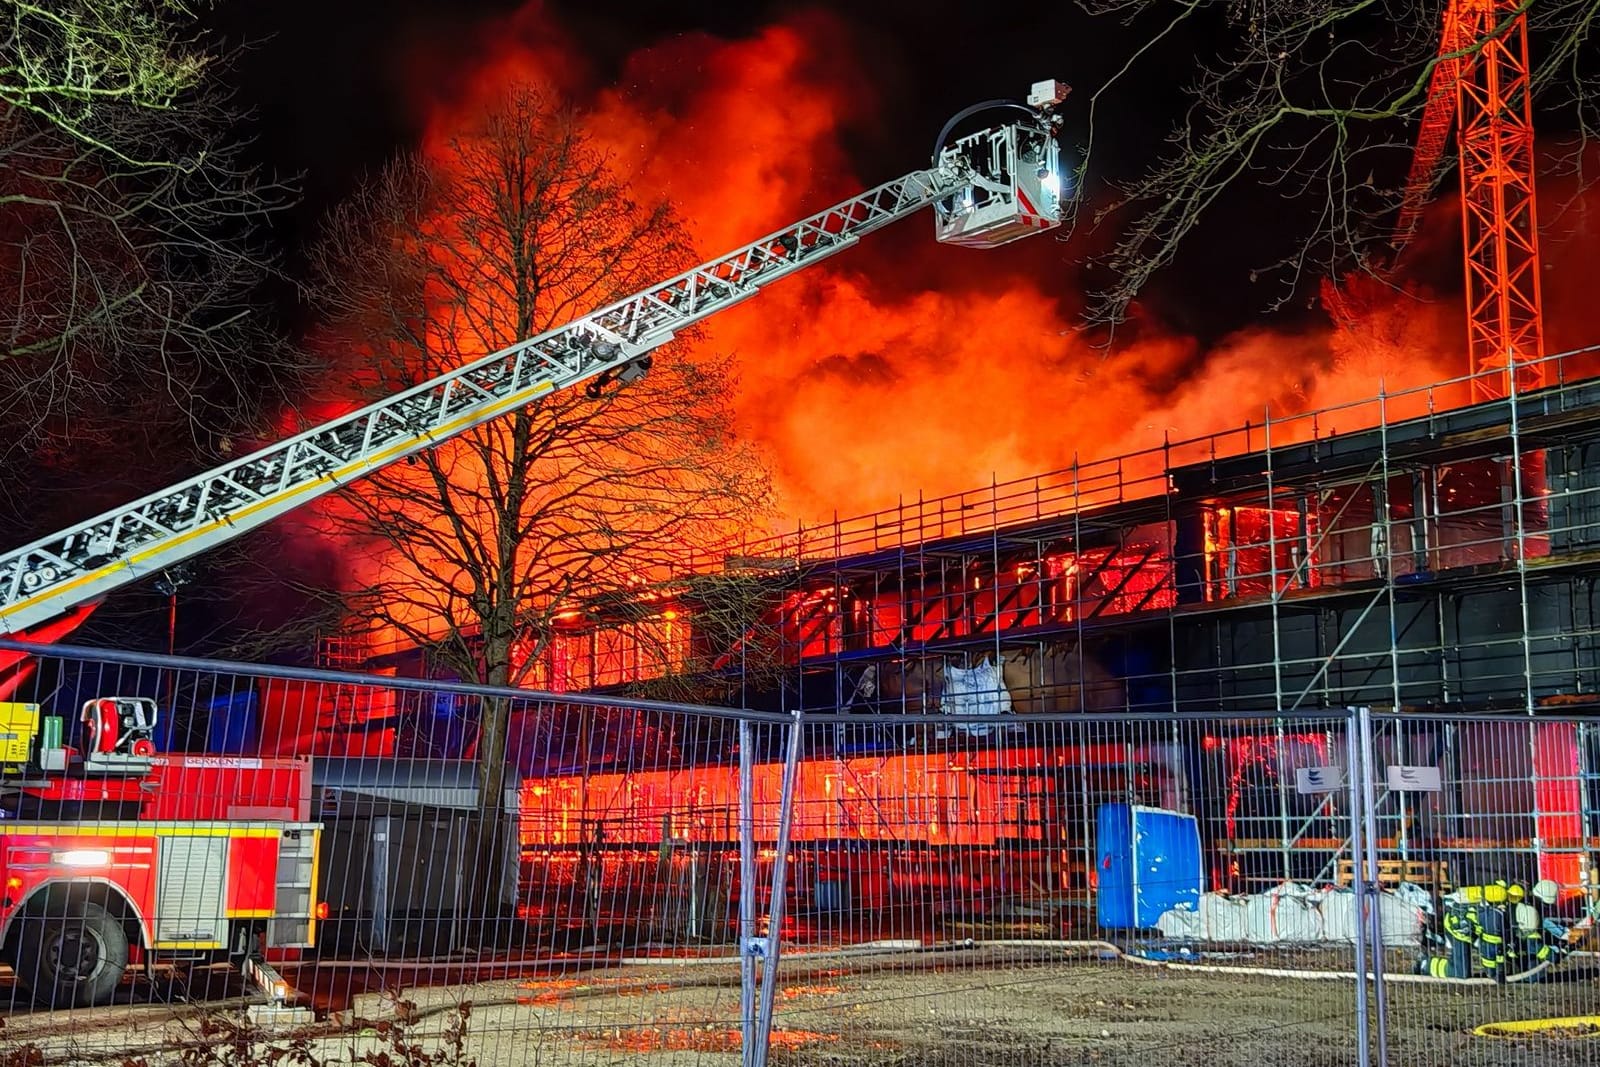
(985, 1007)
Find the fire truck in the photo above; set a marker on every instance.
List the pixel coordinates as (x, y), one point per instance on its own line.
(117, 855)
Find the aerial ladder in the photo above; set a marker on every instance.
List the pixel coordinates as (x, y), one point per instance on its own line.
(987, 189)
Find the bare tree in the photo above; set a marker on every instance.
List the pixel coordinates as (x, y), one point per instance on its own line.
(510, 229)
(1312, 102)
(68, 64)
(132, 253)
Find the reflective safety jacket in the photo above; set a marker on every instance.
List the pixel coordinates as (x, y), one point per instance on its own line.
(1477, 915)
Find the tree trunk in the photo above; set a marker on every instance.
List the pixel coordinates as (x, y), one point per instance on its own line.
(494, 874)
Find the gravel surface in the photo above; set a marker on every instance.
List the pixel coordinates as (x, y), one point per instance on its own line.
(978, 1007)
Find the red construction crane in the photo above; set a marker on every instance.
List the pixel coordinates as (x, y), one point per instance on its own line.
(1481, 85)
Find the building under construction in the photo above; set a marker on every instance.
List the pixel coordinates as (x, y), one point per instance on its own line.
(1439, 562)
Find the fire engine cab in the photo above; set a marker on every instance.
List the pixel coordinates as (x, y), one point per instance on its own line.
(118, 854)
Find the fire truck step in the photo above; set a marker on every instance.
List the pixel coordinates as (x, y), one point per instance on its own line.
(265, 977)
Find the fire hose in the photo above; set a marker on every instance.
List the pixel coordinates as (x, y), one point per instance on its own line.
(1579, 1025)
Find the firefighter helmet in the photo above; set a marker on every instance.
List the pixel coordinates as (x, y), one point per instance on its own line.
(1496, 892)
(1545, 892)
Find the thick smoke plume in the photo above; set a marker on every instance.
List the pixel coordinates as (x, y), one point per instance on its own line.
(902, 368)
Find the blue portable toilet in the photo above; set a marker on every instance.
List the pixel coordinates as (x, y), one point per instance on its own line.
(1148, 862)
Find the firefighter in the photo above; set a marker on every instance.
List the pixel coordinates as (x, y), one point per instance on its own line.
(1475, 917)
(1540, 940)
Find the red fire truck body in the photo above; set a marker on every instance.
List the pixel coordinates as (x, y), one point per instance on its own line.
(113, 858)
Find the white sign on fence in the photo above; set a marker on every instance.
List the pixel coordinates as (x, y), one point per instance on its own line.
(1318, 779)
(1404, 779)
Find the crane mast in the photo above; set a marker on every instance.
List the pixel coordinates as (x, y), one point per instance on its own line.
(987, 188)
(1481, 86)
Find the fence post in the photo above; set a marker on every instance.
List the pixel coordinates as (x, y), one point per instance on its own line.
(768, 947)
(747, 897)
(1369, 815)
(1353, 768)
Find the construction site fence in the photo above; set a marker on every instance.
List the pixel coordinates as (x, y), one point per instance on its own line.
(675, 883)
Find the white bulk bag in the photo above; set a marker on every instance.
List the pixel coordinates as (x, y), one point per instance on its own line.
(975, 691)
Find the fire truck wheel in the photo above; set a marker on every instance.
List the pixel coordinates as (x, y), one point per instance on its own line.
(75, 959)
